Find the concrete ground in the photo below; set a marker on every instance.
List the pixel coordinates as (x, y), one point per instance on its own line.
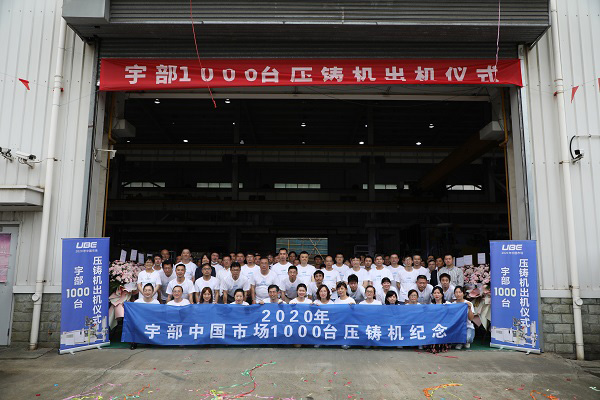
(307, 373)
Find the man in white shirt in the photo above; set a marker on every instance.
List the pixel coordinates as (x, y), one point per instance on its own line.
(225, 268)
(368, 263)
(305, 270)
(447, 287)
(419, 267)
(331, 277)
(289, 286)
(394, 268)
(361, 273)
(250, 268)
(424, 290)
(165, 254)
(456, 274)
(233, 281)
(190, 266)
(259, 285)
(340, 267)
(407, 279)
(214, 261)
(166, 275)
(379, 272)
(280, 268)
(181, 280)
(239, 258)
(207, 280)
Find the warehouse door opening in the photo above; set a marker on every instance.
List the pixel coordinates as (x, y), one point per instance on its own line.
(416, 173)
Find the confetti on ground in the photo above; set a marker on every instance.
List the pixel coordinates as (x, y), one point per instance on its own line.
(594, 388)
(429, 391)
(26, 83)
(548, 396)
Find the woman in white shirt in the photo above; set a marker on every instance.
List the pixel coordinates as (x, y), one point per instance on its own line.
(147, 293)
(459, 293)
(413, 297)
(238, 298)
(391, 298)
(323, 296)
(178, 299)
(301, 291)
(370, 297)
(206, 296)
(342, 291)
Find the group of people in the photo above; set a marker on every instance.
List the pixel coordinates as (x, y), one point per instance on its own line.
(249, 278)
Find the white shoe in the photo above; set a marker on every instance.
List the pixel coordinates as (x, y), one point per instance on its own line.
(420, 347)
(467, 345)
(458, 346)
(317, 346)
(345, 347)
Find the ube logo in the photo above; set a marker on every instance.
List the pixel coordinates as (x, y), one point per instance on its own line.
(86, 245)
(512, 247)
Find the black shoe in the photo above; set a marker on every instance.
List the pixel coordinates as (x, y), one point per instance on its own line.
(133, 346)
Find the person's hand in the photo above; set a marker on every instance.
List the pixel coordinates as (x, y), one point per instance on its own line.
(261, 302)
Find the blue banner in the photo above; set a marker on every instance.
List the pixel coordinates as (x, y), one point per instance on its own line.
(295, 324)
(514, 284)
(84, 309)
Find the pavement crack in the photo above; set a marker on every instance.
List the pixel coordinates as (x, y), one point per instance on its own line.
(111, 367)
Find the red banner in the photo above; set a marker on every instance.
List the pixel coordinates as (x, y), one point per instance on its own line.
(147, 74)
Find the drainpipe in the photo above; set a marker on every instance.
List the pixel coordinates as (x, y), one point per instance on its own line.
(566, 175)
(48, 186)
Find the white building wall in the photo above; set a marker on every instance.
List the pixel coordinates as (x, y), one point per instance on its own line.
(579, 29)
(29, 31)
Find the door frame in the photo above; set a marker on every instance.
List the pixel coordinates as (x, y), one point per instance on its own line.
(16, 226)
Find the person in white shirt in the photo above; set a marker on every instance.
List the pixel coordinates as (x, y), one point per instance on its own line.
(158, 263)
(342, 292)
(301, 298)
(313, 287)
(330, 276)
(250, 268)
(239, 258)
(205, 296)
(368, 263)
(233, 281)
(391, 298)
(407, 279)
(459, 294)
(280, 268)
(292, 257)
(207, 280)
(370, 297)
(273, 297)
(186, 285)
(225, 269)
(360, 273)
(165, 254)
(305, 270)
(214, 261)
(166, 275)
(147, 293)
(190, 266)
(413, 297)
(178, 299)
(423, 290)
(356, 291)
(149, 275)
(395, 268)
(290, 284)
(447, 287)
(386, 286)
(260, 283)
(341, 268)
(457, 277)
(419, 267)
(323, 296)
(238, 298)
(379, 272)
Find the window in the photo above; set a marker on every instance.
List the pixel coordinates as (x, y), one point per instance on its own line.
(387, 186)
(313, 246)
(297, 186)
(217, 185)
(144, 184)
(464, 187)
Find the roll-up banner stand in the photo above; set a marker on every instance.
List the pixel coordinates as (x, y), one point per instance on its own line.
(84, 308)
(515, 298)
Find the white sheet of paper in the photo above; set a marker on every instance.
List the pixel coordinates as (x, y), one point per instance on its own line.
(460, 262)
(480, 258)
(123, 255)
(468, 260)
(140, 258)
(133, 255)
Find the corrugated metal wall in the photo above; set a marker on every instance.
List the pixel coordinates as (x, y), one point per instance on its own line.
(29, 30)
(579, 28)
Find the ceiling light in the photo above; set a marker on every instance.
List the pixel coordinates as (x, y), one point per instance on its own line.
(185, 140)
(431, 126)
(156, 101)
(303, 142)
(227, 101)
(129, 141)
(234, 123)
(303, 124)
(366, 126)
(361, 142)
(418, 143)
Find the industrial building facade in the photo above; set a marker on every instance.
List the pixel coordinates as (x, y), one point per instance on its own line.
(366, 168)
